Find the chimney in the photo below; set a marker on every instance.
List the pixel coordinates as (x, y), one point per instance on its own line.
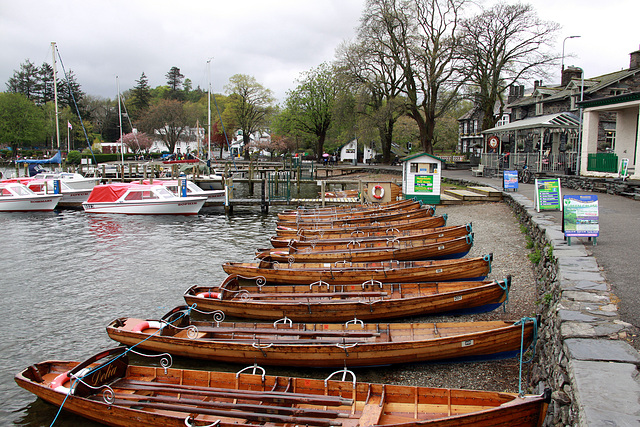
(536, 83)
(635, 60)
(569, 74)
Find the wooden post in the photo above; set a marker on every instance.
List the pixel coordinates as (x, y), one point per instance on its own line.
(264, 206)
(228, 194)
(322, 190)
(275, 179)
(250, 176)
(130, 170)
(299, 179)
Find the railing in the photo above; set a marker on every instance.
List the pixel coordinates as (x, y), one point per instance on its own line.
(602, 162)
(553, 163)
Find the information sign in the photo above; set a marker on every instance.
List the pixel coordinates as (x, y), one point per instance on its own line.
(423, 183)
(580, 216)
(510, 180)
(548, 194)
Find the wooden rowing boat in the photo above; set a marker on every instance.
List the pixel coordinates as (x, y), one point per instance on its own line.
(351, 208)
(321, 302)
(313, 345)
(361, 210)
(337, 273)
(381, 236)
(409, 250)
(415, 224)
(132, 396)
(351, 221)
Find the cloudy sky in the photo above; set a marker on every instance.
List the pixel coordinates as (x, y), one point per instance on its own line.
(272, 40)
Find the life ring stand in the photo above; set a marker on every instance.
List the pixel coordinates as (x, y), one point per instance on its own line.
(375, 194)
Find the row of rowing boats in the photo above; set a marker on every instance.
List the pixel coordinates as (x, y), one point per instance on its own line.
(312, 314)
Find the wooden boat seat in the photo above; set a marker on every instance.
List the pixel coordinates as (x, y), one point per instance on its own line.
(317, 295)
(372, 411)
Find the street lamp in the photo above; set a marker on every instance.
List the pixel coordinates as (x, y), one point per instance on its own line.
(565, 39)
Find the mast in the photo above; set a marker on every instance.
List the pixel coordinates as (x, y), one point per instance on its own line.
(120, 121)
(209, 111)
(55, 93)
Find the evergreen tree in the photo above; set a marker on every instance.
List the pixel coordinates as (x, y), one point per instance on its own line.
(25, 81)
(174, 81)
(140, 96)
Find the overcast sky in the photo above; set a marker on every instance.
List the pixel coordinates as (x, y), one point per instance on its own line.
(272, 40)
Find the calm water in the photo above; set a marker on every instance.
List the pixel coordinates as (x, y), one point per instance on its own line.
(66, 275)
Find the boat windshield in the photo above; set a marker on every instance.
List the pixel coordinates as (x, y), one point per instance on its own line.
(163, 193)
(20, 190)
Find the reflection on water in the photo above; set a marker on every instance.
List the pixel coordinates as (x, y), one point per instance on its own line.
(66, 275)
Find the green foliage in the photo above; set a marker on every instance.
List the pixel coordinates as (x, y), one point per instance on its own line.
(536, 256)
(548, 297)
(524, 229)
(529, 244)
(23, 123)
(73, 157)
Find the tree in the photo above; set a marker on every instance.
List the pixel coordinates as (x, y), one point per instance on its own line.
(311, 104)
(419, 37)
(378, 81)
(174, 81)
(137, 142)
(25, 81)
(501, 45)
(22, 123)
(167, 119)
(249, 106)
(140, 96)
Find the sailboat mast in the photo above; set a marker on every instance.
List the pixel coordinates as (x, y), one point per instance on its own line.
(55, 93)
(120, 121)
(209, 110)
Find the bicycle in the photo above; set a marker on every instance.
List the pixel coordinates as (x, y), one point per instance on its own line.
(525, 175)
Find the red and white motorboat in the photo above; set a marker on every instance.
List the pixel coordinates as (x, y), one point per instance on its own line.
(138, 199)
(192, 189)
(16, 197)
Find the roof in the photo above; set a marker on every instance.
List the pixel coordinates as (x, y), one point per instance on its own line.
(405, 159)
(611, 100)
(557, 120)
(590, 85)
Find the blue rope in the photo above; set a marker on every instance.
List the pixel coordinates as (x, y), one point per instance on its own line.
(505, 288)
(522, 322)
(75, 380)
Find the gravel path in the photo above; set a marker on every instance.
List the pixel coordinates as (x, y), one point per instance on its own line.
(496, 231)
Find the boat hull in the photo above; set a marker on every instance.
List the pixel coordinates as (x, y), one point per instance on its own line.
(368, 252)
(45, 202)
(342, 303)
(329, 345)
(153, 396)
(350, 273)
(185, 206)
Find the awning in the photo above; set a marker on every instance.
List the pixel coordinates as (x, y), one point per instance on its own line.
(557, 120)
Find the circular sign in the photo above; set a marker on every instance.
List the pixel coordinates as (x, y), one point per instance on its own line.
(493, 142)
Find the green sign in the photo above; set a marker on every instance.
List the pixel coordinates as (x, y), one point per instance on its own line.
(548, 194)
(423, 184)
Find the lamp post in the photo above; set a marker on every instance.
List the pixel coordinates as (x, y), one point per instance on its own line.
(563, 41)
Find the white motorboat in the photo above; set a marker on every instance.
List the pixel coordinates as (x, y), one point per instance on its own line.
(16, 197)
(72, 180)
(71, 197)
(139, 199)
(192, 190)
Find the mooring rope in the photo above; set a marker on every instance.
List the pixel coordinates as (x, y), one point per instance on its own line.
(523, 322)
(75, 380)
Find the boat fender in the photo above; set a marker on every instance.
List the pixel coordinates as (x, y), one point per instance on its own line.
(378, 195)
(147, 324)
(58, 382)
(214, 295)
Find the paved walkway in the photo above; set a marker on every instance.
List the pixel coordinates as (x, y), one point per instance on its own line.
(603, 371)
(617, 250)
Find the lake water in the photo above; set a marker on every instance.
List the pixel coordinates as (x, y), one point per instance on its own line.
(65, 275)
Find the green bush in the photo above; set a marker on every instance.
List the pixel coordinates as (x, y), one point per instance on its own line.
(73, 157)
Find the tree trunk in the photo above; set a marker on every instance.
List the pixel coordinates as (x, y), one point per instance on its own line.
(320, 146)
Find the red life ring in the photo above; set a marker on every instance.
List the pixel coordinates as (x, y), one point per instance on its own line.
(214, 295)
(146, 325)
(58, 382)
(375, 192)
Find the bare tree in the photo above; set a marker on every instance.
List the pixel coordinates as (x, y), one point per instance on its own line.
(421, 39)
(501, 45)
(366, 67)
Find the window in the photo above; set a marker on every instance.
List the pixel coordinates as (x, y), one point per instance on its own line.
(609, 140)
(539, 108)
